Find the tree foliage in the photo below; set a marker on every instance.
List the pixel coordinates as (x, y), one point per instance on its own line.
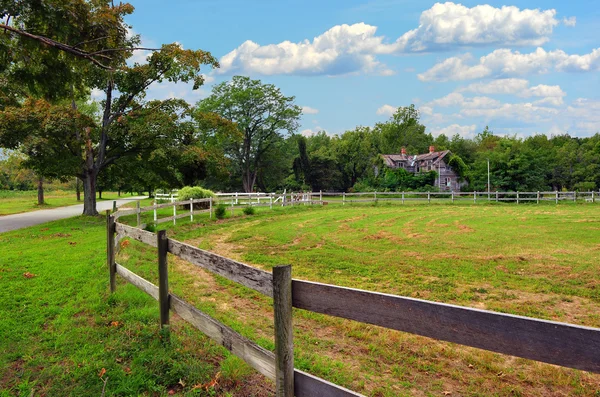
(262, 114)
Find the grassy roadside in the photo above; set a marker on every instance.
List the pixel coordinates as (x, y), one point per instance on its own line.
(15, 202)
(62, 334)
(531, 260)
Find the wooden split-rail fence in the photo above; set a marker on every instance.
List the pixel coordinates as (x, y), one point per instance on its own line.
(551, 342)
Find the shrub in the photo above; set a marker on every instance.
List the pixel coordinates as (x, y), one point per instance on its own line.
(150, 227)
(220, 211)
(249, 210)
(194, 192)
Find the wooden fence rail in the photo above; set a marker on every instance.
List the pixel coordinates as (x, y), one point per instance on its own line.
(552, 342)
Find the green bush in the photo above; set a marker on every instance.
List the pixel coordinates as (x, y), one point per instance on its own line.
(220, 211)
(249, 210)
(194, 192)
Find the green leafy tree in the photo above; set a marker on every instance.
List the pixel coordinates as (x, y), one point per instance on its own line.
(60, 50)
(262, 114)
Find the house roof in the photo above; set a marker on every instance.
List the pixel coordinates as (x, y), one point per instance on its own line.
(433, 156)
(392, 159)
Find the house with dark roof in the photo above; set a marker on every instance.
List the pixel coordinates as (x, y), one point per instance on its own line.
(447, 179)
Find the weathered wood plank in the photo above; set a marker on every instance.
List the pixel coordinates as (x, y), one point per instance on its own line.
(307, 385)
(257, 357)
(163, 278)
(284, 332)
(257, 279)
(136, 234)
(110, 250)
(121, 213)
(551, 342)
(139, 282)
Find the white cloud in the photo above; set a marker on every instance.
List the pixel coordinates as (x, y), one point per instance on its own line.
(345, 49)
(309, 110)
(465, 131)
(505, 62)
(526, 112)
(571, 21)
(97, 94)
(387, 110)
(457, 99)
(342, 49)
(170, 90)
(311, 131)
(499, 86)
(447, 25)
(551, 94)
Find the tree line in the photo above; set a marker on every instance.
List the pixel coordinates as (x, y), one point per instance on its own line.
(243, 136)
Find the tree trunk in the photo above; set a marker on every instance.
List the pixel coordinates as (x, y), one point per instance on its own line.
(78, 188)
(248, 181)
(100, 194)
(40, 190)
(89, 193)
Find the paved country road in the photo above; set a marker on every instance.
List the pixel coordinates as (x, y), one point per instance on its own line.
(26, 219)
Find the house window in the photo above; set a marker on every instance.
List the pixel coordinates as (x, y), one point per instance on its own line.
(448, 182)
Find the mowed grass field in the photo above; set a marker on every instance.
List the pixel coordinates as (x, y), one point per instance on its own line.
(63, 334)
(532, 260)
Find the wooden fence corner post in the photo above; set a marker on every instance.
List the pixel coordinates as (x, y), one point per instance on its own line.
(284, 335)
(110, 250)
(163, 279)
(138, 212)
(114, 206)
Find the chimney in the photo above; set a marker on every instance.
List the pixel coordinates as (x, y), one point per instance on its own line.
(403, 151)
(431, 149)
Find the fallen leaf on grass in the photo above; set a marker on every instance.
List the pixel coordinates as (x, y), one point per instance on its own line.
(114, 323)
(72, 242)
(127, 370)
(44, 229)
(29, 275)
(125, 243)
(102, 372)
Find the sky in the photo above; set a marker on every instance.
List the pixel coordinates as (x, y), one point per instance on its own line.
(522, 68)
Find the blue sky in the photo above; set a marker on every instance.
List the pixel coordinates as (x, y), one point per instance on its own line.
(522, 68)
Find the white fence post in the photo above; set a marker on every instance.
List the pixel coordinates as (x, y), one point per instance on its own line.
(517, 197)
(343, 198)
(475, 197)
(429, 197)
(191, 210)
(174, 213)
(574, 196)
(557, 197)
(155, 216)
(210, 205)
(538, 197)
(453, 196)
(402, 197)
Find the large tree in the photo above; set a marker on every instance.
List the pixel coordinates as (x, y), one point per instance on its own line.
(57, 51)
(262, 114)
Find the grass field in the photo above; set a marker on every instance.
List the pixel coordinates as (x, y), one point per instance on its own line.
(61, 334)
(60, 327)
(532, 260)
(14, 202)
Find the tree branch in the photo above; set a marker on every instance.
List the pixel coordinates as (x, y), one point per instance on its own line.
(61, 46)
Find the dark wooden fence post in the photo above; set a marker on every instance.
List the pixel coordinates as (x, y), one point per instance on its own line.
(163, 279)
(284, 336)
(114, 206)
(110, 250)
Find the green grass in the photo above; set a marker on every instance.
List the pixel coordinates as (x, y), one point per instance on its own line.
(61, 327)
(15, 202)
(533, 260)
(62, 334)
